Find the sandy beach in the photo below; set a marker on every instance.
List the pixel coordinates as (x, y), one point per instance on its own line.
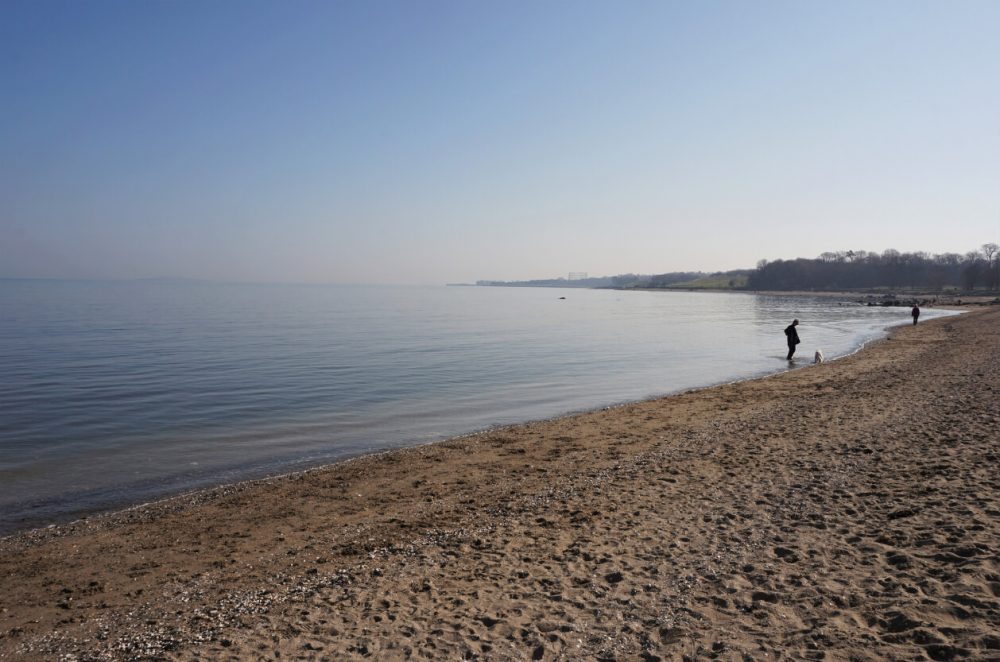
(842, 511)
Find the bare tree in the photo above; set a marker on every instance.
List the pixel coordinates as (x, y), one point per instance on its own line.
(973, 269)
(992, 253)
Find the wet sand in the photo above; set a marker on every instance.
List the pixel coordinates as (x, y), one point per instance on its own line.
(844, 511)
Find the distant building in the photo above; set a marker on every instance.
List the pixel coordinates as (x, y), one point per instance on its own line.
(577, 275)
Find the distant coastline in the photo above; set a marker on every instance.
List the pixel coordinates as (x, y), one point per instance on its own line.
(870, 296)
(977, 273)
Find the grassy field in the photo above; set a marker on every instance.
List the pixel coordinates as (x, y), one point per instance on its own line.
(715, 282)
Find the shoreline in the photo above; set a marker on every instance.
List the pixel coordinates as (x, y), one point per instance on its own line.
(114, 515)
(614, 527)
(93, 516)
(944, 300)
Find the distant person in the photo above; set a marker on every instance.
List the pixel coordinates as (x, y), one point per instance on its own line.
(793, 338)
(916, 313)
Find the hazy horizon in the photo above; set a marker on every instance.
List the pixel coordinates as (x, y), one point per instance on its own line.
(449, 142)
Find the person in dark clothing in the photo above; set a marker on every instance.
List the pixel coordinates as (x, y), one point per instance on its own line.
(793, 338)
(916, 313)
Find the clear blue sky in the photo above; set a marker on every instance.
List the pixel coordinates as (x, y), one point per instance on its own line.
(431, 142)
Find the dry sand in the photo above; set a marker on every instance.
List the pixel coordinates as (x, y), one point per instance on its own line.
(846, 511)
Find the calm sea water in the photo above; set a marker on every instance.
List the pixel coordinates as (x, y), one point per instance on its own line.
(117, 393)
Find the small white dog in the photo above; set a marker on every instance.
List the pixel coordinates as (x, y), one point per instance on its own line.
(819, 356)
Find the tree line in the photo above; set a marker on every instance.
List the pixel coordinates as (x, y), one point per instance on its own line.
(842, 270)
(849, 270)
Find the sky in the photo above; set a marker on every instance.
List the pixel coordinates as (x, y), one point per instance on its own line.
(435, 142)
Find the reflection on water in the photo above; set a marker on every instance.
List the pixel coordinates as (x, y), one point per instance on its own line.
(119, 392)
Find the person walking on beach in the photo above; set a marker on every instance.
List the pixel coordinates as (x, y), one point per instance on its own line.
(916, 313)
(793, 337)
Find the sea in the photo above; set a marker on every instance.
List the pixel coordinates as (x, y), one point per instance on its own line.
(118, 393)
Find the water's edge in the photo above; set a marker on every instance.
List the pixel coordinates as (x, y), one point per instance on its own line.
(173, 500)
